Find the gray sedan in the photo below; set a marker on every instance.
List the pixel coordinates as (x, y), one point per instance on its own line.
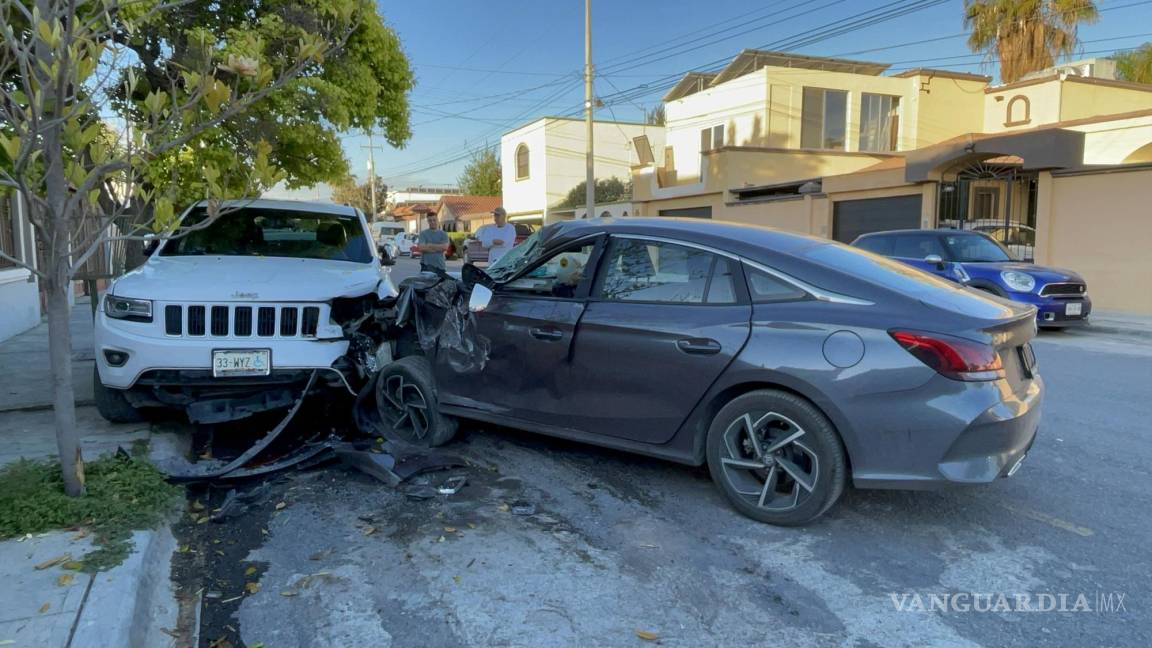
(788, 364)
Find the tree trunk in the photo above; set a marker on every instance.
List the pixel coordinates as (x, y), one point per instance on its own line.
(64, 396)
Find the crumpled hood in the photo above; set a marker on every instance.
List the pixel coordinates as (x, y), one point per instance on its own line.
(248, 279)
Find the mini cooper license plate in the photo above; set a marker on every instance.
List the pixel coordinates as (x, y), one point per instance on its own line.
(1073, 310)
(241, 362)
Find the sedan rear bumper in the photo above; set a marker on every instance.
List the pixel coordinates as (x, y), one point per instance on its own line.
(987, 445)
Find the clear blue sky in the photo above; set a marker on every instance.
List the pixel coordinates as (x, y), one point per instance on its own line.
(497, 64)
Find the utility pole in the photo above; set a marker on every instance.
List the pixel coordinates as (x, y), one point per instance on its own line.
(372, 174)
(590, 189)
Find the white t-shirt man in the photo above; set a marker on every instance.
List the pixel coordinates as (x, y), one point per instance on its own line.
(488, 234)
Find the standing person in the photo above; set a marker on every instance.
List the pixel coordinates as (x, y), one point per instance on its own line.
(433, 244)
(498, 239)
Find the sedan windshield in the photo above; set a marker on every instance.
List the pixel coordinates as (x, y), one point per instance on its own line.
(274, 233)
(973, 248)
(518, 257)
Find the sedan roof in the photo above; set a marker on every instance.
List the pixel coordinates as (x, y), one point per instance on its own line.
(752, 241)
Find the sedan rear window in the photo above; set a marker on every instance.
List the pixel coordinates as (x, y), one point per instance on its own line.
(274, 233)
(903, 279)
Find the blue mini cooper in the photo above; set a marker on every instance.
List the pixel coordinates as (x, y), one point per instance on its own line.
(976, 259)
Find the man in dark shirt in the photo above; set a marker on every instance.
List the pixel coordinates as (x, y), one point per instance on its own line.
(433, 244)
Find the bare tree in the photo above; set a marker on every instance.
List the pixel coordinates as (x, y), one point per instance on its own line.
(65, 79)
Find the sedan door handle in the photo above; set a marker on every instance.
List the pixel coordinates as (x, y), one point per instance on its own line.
(699, 346)
(547, 334)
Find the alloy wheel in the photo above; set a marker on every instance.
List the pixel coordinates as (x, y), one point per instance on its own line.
(408, 405)
(766, 462)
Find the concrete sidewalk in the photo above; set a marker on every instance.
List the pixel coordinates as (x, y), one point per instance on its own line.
(25, 375)
(132, 604)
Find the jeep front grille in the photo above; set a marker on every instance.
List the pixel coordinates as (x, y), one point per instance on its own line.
(223, 321)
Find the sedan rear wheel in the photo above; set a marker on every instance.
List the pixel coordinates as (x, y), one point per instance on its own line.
(776, 457)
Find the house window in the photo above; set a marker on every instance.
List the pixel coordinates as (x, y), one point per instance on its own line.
(7, 232)
(1019, 111)
(522, 162)
(711, 138)
(985, 203)
(879, 122)
(824, 119)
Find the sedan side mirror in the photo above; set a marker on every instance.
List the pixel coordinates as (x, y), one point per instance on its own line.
(480, 298)
(937, 259)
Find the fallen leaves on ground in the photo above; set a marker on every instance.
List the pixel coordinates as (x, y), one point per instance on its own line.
(72, 565)
(44, 608)
(64, 580)
(249, 571)
(252, 588)
(280, 505)
(54, 561)
(647, 635)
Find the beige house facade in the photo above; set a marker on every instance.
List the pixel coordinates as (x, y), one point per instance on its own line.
(838, 148)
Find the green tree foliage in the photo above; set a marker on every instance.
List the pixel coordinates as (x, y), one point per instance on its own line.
(350, 191)
(482, 175)
(1135, 65)
(363, 84)
(1025, 35)
(611, 190)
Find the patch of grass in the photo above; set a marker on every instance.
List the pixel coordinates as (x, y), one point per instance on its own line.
(124, 493)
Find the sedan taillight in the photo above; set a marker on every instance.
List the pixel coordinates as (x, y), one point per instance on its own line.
(952, 357)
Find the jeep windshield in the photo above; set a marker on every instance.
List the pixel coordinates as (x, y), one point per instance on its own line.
(274, 233)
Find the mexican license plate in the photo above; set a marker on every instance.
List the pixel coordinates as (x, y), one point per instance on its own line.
(241, 362)
(1073, 310)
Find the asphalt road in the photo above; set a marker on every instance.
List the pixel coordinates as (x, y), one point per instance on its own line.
(620, 544)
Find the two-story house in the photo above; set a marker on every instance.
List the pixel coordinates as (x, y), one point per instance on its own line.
(838, 148)
(543, 160)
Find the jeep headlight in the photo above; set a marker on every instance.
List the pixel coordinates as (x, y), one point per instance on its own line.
(126, 308)
(1018, 281)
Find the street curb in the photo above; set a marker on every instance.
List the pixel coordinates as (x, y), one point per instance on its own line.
(1130, 331)
(129, 604)
(40, 407)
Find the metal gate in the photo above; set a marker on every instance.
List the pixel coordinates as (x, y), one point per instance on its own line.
(996, 199)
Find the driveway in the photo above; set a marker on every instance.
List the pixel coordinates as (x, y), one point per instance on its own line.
(620, 546)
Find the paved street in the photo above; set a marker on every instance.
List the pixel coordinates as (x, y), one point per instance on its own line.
(620, 544)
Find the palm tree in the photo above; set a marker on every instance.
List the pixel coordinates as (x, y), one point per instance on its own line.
(1135, 65)
(1025, 35)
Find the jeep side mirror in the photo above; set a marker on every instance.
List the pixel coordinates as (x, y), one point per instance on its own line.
(937, 259)
(385, 258)
(480, 298)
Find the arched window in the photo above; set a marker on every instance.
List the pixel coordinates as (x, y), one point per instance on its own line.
(1019, 111)
(522, 162)
(606, 214)
(624, 215)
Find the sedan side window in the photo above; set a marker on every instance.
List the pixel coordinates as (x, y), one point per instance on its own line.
(764, 288)
(648, 271)
(558, 276)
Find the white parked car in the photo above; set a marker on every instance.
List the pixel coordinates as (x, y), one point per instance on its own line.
(404, 243)
(232, 319)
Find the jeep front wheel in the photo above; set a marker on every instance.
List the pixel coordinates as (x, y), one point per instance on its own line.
(112, 405)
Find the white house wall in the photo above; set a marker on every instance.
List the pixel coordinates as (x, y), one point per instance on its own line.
(556, 159)
(19, 292)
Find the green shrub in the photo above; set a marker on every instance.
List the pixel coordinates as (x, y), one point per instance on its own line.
(124, 492)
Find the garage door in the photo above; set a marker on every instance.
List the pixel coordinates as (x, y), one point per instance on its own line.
(851, 218)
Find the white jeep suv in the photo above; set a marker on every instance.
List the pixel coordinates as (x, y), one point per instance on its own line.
(233, 319)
